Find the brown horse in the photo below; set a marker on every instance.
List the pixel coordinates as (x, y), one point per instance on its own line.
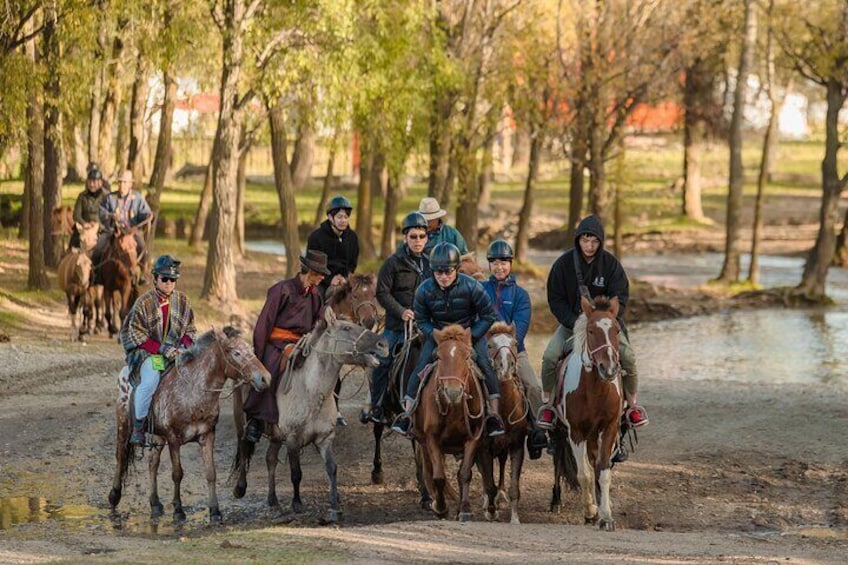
(88, 240)
(185, 409)
(503, 349)
(589, 405)
(450, 416)
(355, 300)
(120, 261)
(74, 277)
(468, 266)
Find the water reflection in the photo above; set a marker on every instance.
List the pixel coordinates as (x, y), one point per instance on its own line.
(18, 510)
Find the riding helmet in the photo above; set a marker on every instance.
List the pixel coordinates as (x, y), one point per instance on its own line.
(444, 256)
(339, 203)
(413, 220)
(499, 249)
(95, 174)
(167, 266)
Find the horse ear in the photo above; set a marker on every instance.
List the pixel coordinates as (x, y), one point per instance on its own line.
(586, 305)
(437, 335)
(467, 333)
(329, 316)
(218, 333)
(614, 306)
(512, 328)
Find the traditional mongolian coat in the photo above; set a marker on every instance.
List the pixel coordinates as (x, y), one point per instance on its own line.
(145, 329)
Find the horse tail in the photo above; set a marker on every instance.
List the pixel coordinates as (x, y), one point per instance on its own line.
(244, 449)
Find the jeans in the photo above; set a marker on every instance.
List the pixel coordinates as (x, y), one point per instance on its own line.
(481, 356)
(380, 374)
(144, 391)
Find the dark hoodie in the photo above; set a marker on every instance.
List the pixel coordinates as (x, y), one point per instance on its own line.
(342, 251)
(603, 276)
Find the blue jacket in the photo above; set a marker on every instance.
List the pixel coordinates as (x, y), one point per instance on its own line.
(131, 210)
(464, 303)
(445, 233)
(512, 305)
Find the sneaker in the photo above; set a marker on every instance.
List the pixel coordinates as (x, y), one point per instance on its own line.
(494, 426)
(340, 421)
(637, 417)
(536, 442)
(253, 431)
(546, 418)
(401, 424)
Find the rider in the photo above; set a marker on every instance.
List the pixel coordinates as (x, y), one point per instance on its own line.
(437, 230)
(160, 323)
(588, 269)
(124, 210)
(512, 305)
(335, 238)
(292, 308)
(397, 281)
(450, 297)
(87, 206)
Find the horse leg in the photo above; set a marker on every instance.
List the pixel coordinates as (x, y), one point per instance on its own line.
(486, 467)
(437, 466)
(177, 477)
(425, 500)
(207, 452)
(556, 491)
(296, 477)
(122, 457)
(97, 301)
(325, 448)
(156, 508)
(587, 481)
(464, 480)
(502, 495)
(271, 464)
(603, 475)
(377, 466)
(516, 458)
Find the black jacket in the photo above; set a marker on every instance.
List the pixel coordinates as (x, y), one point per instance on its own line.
(603, 276)
(465, 302)
(397, 281)
(342, 250)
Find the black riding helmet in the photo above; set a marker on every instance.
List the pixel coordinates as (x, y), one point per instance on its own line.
(339, 203)
(95, 174)
(166, 266)
(413, 220)
(499, 249)
(444, 256)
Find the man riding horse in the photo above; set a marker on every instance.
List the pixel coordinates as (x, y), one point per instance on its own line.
(512, 305)
(291, 309)
(450, 297)
(87, 205)
(123, 211)
(399, 277)
(160, 323)
(588, 270)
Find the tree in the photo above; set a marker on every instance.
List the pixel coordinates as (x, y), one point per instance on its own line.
(52, 147)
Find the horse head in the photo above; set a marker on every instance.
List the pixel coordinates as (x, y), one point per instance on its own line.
(455, 353)
(235, 355)
(88, 235)
(600, 345)
(356, 300)
(468, 266)
(349, 343)
(503, 350)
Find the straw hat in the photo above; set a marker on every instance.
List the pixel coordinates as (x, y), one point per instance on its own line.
(126, 176)
(430, 209)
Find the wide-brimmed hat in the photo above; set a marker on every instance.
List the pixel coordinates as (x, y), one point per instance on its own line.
(126, 176)
(430, 209)
(316, 261)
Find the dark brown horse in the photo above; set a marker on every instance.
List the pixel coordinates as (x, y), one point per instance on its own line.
(185, 409)
(503, 349)
(120, 261)
(589, 405)
(450, 417)
(355, 300)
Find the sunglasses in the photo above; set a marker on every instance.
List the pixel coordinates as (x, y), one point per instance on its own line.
(419, 236)
(444, 272)
(168, 279)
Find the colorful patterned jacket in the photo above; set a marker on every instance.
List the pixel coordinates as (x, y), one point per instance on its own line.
(143, 326)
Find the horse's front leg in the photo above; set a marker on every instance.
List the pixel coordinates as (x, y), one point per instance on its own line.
(437, 466)
(425, 500)
(122, 455)
(325, 448)
(516, 458)
(377, 466)
(485, 464)
(207, 451)
(586, 477)
(271, 464)
(156, 508)
(502, 477)
(603, 475)
(296, 476)
(177, 476)
(464, 476)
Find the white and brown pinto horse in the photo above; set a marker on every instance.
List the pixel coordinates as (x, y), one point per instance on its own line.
(590, 405)
(185, 409)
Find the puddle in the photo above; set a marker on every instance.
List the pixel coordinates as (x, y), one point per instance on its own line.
(19, 510)
(818, 532)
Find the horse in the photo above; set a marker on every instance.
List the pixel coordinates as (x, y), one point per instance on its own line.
(88, 240)
(468, 266)
(589, 410)
(120, 261)
(307, 411)
(355, 300)
(74, 277)
(450, 417)
(503, 350)
(185, 409)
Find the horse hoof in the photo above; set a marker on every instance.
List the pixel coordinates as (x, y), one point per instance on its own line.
(426, 504)
(334, 516)
(606, 525)
(514, 519)
(179, 516)
(376, 478)
(156, 510)
(239, 490)
(465, 516)
(114, 497)
(490, 516)
(215, 517)
(297, 506)
(273, 502)
(440, 514)
(590, 520)
(555, 508)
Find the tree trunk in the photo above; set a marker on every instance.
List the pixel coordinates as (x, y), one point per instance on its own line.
(52, 148)
(812, 285)
(162, 161)
(112, 101)
(241, 184)
(576, 186)
(364, 202)
(95, 108)
(198, 230)
(522, 238)
(598, 189)
(122, 145)
(694, 136)
(328, 180)
(469, 195)
(34, 180)
(138, 105)
(487, 167)
(522, 148)
(285, 187)
(302, 157)
(440, 148)
(730, 271)
(390, 210)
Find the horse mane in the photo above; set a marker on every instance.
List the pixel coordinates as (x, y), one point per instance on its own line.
(602, 303)
(453, 332)
(502, 328)
(338, 293)
(205, 340)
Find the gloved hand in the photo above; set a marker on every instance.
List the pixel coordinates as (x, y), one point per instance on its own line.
(168, 351)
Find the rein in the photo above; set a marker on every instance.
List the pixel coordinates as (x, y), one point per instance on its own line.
(513, 379)
(465, 396)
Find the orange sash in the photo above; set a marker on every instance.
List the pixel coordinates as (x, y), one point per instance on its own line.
(283, 334)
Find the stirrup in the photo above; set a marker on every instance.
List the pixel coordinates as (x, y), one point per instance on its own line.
(639, 413)
(543, 423)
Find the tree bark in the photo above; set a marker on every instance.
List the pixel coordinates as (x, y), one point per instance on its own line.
(201, 217)
(241, 184)
(328, 180)
(162, 161)
(34, 180)
(364, 202)
(285, 187)
(487, 166)
(694, 136)
(440, 148)
(522, 238)
(95, 107)
(138, 105)
(390, 210)
(302, 157)
(112, 101)
(52, 148)
(576, 185)
(469, 194)
(730, 271)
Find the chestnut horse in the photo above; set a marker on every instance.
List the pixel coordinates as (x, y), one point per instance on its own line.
(503, 349)
(589, 404)
(450, 417)
(355, 300)
(74, 277)
(185, 409)
(120, 260)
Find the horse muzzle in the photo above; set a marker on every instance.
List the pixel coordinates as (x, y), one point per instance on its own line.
(260, 380)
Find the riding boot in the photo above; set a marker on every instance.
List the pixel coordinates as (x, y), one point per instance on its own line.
(253, 430)
(137, 437)
(402, 422)
(537, 440)
(494, 423)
